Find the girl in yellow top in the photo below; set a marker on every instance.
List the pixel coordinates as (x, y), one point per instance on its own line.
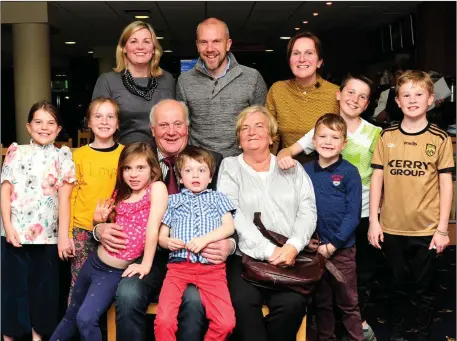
(96, 171)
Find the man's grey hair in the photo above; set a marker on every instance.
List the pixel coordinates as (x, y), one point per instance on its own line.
(184, 106)
(214, 21)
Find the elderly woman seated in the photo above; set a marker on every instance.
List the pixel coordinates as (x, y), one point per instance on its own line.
(285, 198)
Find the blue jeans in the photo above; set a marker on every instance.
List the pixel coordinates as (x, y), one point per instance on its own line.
(134, 295)
(92, 295)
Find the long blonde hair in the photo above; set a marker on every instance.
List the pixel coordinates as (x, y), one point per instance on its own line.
(121, 58)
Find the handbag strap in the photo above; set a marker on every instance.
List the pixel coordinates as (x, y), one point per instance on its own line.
(258, 223)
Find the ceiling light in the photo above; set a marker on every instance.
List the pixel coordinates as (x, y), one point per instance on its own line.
(167, 51)
(90, 52)
(159, 38)
(297, 28)
(315, 14)
(254, 63)
(70, 42)
(284, 38)
(141, 16)
(269, 50)
(328, 3)
(305, 22)
(66, 97)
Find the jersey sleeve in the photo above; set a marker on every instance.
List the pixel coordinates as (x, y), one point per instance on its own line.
(377, 160)
(446, 157)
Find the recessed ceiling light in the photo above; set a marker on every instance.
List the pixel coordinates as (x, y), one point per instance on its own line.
(159, 38)
(284, 38)
(269, 50)
(167, 51)
(315, 14)
(66, 97)
(90, 52)
(297, 28)
(70, 42)
(328, 3)
(305, 22)
(141, 16)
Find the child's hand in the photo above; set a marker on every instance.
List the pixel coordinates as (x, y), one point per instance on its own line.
(439, 242)
(284, 159)
(375, 234)
(175, 244)
(196, 244)
(102, 210)
(326, 250)
(66, 247)
(12, 237)
(134, 269)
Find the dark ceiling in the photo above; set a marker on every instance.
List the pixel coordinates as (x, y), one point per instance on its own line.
(254, 25)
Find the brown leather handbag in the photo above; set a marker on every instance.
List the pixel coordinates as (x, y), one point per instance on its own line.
(302, 277)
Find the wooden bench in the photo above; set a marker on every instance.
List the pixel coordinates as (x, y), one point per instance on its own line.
(111, 322)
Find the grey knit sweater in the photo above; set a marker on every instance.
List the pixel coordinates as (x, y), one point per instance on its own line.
(215, 104)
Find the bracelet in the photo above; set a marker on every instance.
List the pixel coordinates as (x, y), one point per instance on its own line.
(234, 244)
(94, 233)
(442, 233)
(326, 247)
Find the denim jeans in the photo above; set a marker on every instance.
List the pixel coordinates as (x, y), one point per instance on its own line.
(134, 295)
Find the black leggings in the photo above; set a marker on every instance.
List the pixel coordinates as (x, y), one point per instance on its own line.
(30, 289)
(287, 309)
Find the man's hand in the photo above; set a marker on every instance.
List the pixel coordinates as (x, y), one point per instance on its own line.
(375, 234)
(134, 269)
(112, 237)
(284, 159)
(12, 237)
(196, 244)
(217, 252)
(175, 244)
(284, 256)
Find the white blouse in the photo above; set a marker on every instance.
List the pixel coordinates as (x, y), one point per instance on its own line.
(285, 199)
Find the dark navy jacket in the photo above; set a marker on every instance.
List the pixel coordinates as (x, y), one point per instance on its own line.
(338, 190)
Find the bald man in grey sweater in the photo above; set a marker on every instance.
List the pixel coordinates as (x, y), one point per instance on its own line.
(217, 89)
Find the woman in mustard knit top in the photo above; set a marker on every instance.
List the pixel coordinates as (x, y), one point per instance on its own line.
(297, 103)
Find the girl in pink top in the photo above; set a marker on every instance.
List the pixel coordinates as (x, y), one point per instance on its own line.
(139, 204)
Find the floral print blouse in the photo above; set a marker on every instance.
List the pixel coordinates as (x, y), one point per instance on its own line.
(36, 173)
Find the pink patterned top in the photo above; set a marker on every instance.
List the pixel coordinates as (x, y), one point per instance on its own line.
(133, 217)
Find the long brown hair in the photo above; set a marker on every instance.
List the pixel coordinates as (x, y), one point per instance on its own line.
(129, 153)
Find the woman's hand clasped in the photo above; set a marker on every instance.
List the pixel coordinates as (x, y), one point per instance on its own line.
(283, 256)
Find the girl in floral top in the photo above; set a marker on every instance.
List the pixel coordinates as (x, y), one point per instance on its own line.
(36, 184)
(140, 200)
